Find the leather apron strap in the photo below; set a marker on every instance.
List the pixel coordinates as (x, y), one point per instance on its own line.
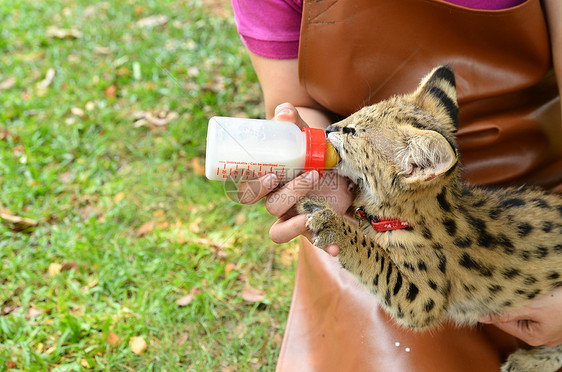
(358, 52)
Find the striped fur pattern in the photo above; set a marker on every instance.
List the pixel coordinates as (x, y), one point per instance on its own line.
(469, 251)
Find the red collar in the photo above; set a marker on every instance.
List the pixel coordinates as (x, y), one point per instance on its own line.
(382, 224)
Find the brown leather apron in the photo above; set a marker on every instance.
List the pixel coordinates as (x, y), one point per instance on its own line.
(358, 52)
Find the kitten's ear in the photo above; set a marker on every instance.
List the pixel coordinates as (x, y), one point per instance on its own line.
(425, 155)
(437, 94)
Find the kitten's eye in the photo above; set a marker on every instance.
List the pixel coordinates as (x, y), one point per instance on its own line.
(348, 130)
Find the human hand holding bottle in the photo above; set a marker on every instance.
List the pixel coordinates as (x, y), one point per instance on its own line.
(281, 202)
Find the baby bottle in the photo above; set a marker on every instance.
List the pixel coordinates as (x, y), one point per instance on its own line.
(244, 149)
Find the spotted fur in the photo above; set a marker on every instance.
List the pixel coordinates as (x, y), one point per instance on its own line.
(469, 251)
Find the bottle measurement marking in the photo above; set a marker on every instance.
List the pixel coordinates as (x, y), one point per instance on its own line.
(250, 172)
(247, 170)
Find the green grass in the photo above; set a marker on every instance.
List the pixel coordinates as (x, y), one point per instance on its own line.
(72, 159)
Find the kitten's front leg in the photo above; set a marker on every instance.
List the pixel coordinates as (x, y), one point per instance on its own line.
(412, 300)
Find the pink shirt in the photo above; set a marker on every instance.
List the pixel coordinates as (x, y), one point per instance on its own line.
(271, 28)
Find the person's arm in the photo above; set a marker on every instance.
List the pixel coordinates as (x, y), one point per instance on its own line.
(279, 79)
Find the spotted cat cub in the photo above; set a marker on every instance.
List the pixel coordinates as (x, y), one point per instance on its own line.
(431, 247)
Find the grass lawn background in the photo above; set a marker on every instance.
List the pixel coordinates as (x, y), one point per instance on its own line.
(103, 114)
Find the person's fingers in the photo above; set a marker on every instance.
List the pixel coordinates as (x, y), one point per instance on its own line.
(526, 330)
(283, 231)
(505, 317)
(252, 191)
(279, 202)
(288, 112)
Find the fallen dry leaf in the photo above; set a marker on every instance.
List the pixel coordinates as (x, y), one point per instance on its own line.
(78, 112)
(240, 219)
(193, 71)
(112, 339)
(84, 363)
(119, 196)
(186, 300)
(198, 167)
(161, 119)
(252, 295)
(73, 58)
(16, 223)
(216, 85)
(159, 213)
(65, 177)
(139, 9)
(33, 312)
(277, 339)
(155, 119)
(218, 248)
(123, 71)
(8, 83)
(194, 226)
(63, 33)
(182, 339)
(288, 256)
(181, 238)
(152, 21)
(5, 134)
(217, 7)
(145, 228)
(19, 153)
(69, 266)
(163, 225)
(89, 11)
(138, 345)
(10, 364)
(6, 310)
(241, 114)
(98, 49)
(87, 211)
(255, 365)
(110, 91)
(229, 267)
(90, 285)
(49, 77)
(54, 269)
(77, 311)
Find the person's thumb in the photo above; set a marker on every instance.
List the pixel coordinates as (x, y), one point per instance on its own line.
(288, 112)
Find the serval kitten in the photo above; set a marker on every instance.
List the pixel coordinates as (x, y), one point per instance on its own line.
(449, 250)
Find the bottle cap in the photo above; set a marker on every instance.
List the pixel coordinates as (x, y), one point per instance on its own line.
(315, 149)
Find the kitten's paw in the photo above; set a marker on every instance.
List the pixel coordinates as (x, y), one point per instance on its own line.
(312, 205)
(322, 220)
